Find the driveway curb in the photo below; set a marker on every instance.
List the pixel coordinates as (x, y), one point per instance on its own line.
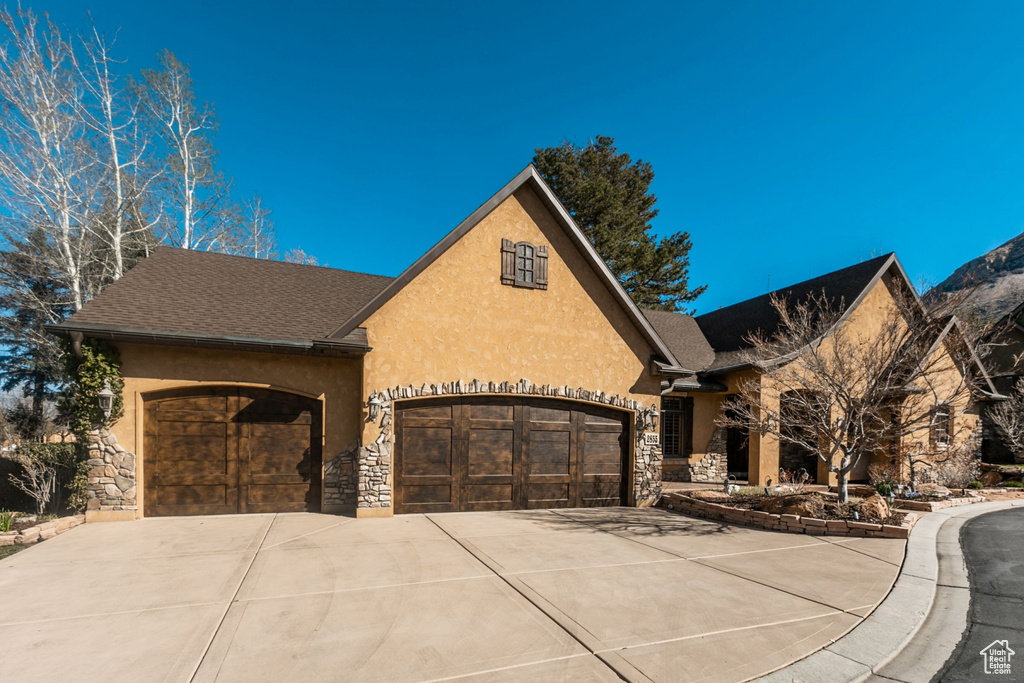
(892, 625)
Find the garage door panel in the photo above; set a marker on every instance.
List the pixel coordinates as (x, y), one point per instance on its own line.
(432, 412)
(195, 494)
(440, 494)
(191, 467)
(428, 452)
(510, 453)
(234, 450)
(542, 414)
(489, 452)
(598, 494)
(548, 496)
(490, 411)
(194, 404)
(488, 497)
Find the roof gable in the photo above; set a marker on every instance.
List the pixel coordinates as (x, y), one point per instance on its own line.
(728, 329)
(527, 177)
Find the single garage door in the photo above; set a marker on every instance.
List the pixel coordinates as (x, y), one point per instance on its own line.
(229, 449)
(503, 453)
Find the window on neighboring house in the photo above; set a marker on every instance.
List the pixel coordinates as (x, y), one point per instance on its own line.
(942, 426)
(676, 427)
(524, 264)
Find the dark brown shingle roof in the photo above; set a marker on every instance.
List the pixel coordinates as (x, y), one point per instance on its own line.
(684, 338)
(728, 329)
(177, 291)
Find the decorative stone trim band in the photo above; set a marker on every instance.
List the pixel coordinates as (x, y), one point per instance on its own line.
(41, 532)
(374, 459)
(790, 523)
(110, 479)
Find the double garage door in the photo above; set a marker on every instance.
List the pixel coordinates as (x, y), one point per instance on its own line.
(505, 453)
(230, 449)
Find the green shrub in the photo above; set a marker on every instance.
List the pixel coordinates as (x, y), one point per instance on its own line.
(6, 521)
(1013, 484)
(975, 485)
(884, 487)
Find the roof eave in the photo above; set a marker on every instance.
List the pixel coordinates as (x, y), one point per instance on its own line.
(164, 338)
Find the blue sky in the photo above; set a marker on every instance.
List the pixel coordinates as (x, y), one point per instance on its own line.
(788, 138)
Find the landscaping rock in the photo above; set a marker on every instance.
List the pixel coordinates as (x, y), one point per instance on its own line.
(875, 506)
(711, 496)
(933, 490)
(801, 505)
(991, 478)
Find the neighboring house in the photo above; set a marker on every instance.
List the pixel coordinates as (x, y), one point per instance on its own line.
(505, 369)
(716, 348)
(1005, 346)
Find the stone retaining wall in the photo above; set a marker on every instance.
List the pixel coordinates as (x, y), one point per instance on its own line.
(41, 532)
(932, 506)
(374, 460)
(789, 523)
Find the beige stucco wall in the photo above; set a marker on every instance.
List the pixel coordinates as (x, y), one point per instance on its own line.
(149, 368)
(455, 320)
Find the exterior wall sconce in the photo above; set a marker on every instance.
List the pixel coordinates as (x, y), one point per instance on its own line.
(769, 424)
(373, 406)
(651, 416)
(105, 399)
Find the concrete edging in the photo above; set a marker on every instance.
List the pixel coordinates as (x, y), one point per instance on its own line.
(892, 625)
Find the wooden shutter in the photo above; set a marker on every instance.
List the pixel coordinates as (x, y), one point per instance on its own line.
(949, 426)
(687, 426)
(508, 262)
(933, 437)
(540, 267)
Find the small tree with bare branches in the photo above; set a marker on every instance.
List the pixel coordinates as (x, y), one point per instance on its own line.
(1008, 419)
(845, 387)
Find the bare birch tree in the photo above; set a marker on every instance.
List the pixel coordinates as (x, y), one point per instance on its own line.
(197, 207)
(48, 173)
(258, 231)
(123, 149)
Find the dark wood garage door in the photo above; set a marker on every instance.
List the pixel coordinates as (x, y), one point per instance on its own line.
(505, 453)
(230, 449)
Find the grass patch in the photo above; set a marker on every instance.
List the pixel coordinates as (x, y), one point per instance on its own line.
(8, 550)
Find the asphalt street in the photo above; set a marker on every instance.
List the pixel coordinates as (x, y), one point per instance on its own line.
(993, 547)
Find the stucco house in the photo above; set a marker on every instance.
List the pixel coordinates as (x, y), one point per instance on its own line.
(716, 347)
(505, 369)
(1005, 345)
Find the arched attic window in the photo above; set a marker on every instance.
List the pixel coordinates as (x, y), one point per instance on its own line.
(524, 264)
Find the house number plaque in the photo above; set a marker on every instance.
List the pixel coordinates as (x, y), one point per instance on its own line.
(651, 438)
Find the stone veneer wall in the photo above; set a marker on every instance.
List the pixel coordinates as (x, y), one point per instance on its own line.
(111, 474)
(374, 479)
(713, 467)
(341, 481)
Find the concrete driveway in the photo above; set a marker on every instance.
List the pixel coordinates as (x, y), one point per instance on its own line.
(534, 595)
